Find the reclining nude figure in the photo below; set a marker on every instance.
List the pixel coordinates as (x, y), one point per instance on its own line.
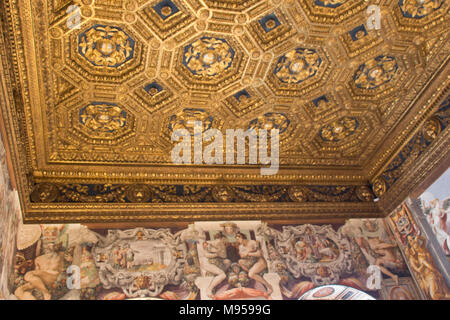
(47, 269)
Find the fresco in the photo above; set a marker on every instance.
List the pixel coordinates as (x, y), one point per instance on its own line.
(361, 259)
(141, 261)
(419, 259)
(234, 262)
(435, 205)
(310, 256)
(9, 220)
(227, 260)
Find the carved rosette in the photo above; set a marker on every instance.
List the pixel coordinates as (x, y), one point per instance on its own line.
(106, 46)
(298, 65)
(223, 194)
(102, 118)
(364, 194)
(44, 193)
(375, 72)
(339, 129)
(102, 123)
(432, 128)
(185, 120)
(298, 194)
(208, 56)
(379, 187)
(419, 9)
(209, 63)
(269, 121)
(138, 193)
(104, 53)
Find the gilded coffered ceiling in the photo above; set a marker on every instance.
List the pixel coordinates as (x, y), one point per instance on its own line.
(93, 90)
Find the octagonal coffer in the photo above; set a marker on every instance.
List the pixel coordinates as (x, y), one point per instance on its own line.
(106, 53)
(102, 123)
(297, 65)
(420, 8)
(106, 46)
(269, 121)
(339, 130)
(208, 56)
(103, 118)
(375, 72)
(210, 63)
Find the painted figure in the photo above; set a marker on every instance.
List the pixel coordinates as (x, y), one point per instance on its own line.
(311, 240)
(438, 222)
(216, 261)
(325, 248)
(252, 260)
(47, 269)
(128, 256)
(230, 230)
(116, 256)
(383, 253)
(428, 276)
(303, 251)
(238, 278)
(385, 256)
(123, 256)
(89, 273)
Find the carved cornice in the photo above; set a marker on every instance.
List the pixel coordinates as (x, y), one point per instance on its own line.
(145, 193)
(13, 113)
(436, 153)
(424, 100)
(108, 213)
